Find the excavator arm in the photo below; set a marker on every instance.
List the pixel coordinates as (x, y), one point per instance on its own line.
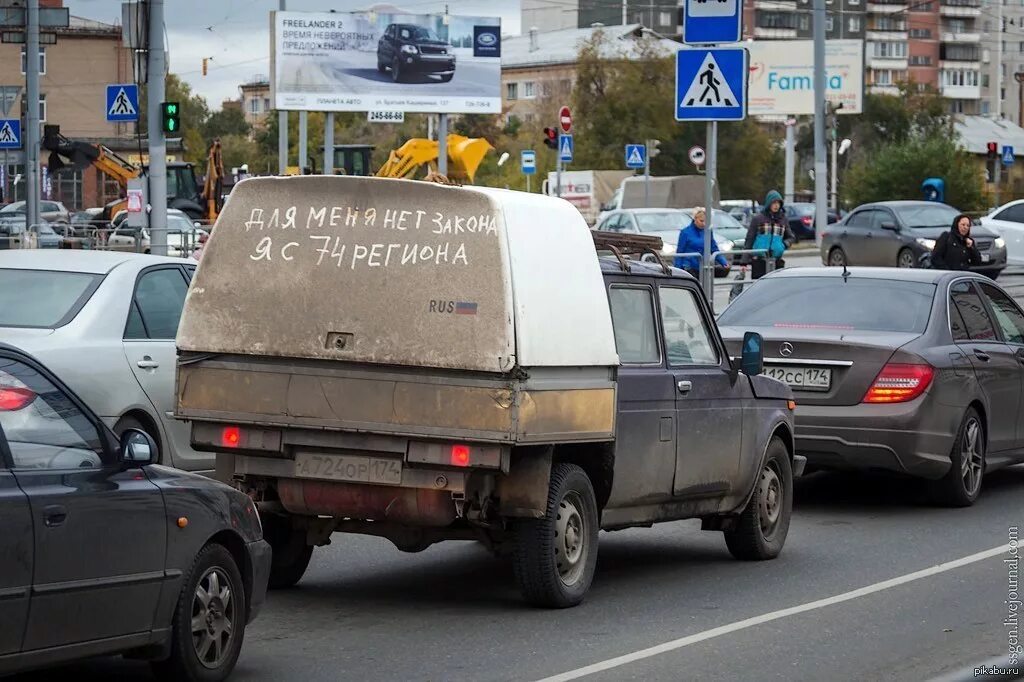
(464, 157)
(65, 153)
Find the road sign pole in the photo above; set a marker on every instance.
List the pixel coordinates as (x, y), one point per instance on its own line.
(303, 141)
(558, 175)
(998, 177)
(157, 142)
(647, 175)
(790, 161)
(707, 264)
(329, 143)
(31, 132)
(820, 170)
(282, 132)
(442, 144)
(528, 190)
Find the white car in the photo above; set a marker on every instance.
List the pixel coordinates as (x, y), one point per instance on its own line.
(105, 323)
(1008, 222)
(182, 234)
(664, 223)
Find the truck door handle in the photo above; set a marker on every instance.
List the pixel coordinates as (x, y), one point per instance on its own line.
(147, 363)
(981, 355)
(684, 386)
(54, 515)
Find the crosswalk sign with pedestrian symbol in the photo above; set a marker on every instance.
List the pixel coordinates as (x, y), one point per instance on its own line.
(635, 155)
(123, 102)
(10, 133)
(711, 85)
(565, 148)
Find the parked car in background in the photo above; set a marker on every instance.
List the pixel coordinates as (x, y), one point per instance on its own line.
(406, 49)
(918, 372)
(182, 234)
(12, 227)
(664, 223)
(899, 233)
(51, 211)
(86, 532)
(93, 314)
(1008, 222)
(801, 219)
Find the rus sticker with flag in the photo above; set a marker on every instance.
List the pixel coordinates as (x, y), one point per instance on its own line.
(465, 308)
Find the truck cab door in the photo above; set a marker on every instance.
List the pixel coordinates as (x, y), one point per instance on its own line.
(645, 419)
(709, 399)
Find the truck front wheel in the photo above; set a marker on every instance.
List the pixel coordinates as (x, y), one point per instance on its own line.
(554, 557)
(291, 552)
(761, 529)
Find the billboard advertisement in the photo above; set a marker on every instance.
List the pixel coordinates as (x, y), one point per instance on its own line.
(375, 61)
(782, 76)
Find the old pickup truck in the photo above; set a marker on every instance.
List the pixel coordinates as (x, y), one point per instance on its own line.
(424, 362)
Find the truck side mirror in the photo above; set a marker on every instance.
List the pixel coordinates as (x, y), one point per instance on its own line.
(752, 359)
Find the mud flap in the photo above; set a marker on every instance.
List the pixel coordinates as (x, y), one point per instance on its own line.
(524, 491)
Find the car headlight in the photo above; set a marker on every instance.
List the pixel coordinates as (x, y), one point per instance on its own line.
(927, 243)
(999, 243)
(726, 245)
(409, 49)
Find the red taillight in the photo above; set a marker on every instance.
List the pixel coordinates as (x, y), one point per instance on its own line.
(898, 383)
(231, 436)
(12, 399)
(807, 220)
(460, 455)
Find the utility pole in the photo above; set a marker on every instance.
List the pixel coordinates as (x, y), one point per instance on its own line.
(820, 171)
(31, 132)
(707, 262)
(787, 190)
(624, 2)
(329, 143)
(833, 127)
(647, 174)
(282, 132)
(998, 90)
(442, 144)
(157, 144)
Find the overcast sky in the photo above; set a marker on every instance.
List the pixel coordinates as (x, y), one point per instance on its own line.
(236, 34)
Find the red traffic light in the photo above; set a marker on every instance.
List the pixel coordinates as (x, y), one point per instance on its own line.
(551, 138)
(993, 149)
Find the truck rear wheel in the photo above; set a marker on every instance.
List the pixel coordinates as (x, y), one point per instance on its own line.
(761, 529)
(291, 553)
(554, 557)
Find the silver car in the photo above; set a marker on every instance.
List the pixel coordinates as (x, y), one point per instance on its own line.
(105, 323)
(50, 211)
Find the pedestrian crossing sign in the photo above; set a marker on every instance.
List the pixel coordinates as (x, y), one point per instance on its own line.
(636, 155)
(565, 148)
(10, 133)
(711, 84)
(122, 102)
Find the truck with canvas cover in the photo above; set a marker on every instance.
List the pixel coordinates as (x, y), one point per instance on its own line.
(425, 362)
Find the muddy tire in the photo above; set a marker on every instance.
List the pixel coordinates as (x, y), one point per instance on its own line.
(291, 553)
(763, 526)
(961, 485)
(554, 557)
(209, 621)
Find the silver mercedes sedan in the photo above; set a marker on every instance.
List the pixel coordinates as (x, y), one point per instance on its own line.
(105, 323)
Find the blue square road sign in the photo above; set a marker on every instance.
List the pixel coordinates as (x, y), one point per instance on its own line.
(528, 161)
(1007, 155)
(565, 148)
(10, 133)
(711, 84)
(636, 155)
(122, 102)
(712, 21)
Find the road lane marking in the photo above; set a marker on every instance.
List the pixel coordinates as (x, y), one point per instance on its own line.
(682, 642)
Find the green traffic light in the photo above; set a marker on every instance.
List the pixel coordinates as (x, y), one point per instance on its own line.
(170, 124)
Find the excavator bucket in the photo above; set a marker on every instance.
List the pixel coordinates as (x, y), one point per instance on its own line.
(464, 157)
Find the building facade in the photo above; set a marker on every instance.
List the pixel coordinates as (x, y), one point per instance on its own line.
(87, 56)
(254, 97)
(661, 16)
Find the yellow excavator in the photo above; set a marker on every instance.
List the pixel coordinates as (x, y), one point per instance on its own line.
(465, 155)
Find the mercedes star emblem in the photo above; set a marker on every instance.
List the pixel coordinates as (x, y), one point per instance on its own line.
(786, 349)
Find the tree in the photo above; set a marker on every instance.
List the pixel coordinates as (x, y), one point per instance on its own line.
(227, 121)
(896, 171)
(194, 114)
(238, 150)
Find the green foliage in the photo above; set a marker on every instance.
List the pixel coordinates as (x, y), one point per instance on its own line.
(895, 171)
(237, 150)
(229, 121)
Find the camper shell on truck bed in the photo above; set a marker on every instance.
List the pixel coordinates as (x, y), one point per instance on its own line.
(425, 362)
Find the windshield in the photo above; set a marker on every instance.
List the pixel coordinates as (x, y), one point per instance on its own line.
(41, 298)
(16, 207)
(424, 34)
(926, 215)
(843, 304)
(725, 221)
(659, 222)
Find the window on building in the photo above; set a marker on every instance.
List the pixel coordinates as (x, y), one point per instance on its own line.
(986, 26)
(804, 22)
(984, 80)
(266, 104)
(985, 108)
(883, 77)
(528, 90)
(923, 7)
(776, 20)
(920, 60)
(42, 61)
(512, 91)
(254, 105)
(889, 50)
(853, 25)
(42, 108)
(924, 33)
(1020, 46)
(829, 23)
(956, 106)
(853, 3)
(665, 19)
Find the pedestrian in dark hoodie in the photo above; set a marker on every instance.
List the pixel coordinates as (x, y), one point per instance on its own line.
(768, 230)
(955, 250)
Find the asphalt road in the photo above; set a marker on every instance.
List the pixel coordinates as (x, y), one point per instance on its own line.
(864, 590)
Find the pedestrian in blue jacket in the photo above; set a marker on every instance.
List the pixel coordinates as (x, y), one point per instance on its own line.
(691, 240)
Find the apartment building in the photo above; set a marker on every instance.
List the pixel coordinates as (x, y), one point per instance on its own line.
(255, 100)
(791, 19)
(1002, 58)
(662, 16)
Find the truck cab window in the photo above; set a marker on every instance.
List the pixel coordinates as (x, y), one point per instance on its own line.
(636, 331)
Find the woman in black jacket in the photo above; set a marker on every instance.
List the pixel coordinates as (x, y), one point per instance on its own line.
(955, 250)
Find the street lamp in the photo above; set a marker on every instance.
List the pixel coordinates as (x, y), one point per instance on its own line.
(845, 145)
(502, 159)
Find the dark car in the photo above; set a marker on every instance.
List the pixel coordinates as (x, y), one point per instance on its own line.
(408, 49)
(900, 233)
(103, 552)
(917, 372)
(801, 219)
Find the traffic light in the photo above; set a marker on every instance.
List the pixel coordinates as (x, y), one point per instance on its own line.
(205, 59)
(653, 148)
(170, 115)
(551, 138)
(993, 150)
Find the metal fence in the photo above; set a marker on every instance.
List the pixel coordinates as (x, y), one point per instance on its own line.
(181, 244)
